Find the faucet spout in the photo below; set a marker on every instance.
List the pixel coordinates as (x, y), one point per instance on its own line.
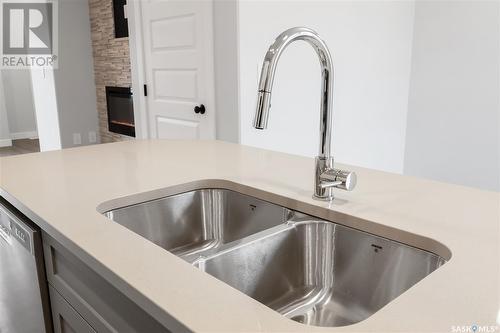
(267, 78)
(326, 177)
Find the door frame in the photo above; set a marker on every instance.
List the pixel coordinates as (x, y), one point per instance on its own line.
(137, 68)
(133, 12)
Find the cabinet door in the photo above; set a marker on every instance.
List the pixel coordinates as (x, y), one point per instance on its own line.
(103, 306)
(65, 318)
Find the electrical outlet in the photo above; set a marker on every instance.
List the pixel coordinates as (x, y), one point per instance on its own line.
(92, 137)
(77, 139)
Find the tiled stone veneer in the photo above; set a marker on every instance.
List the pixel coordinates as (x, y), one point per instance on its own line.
(111, 61)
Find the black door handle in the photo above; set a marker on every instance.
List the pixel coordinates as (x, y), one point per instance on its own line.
(200, 109)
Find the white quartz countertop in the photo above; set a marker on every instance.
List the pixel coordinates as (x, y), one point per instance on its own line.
(63, 192)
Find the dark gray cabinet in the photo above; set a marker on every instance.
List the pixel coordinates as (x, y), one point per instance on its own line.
(94, 299)
(65, 318)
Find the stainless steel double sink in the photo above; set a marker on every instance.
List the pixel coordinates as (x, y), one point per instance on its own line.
(312, 271)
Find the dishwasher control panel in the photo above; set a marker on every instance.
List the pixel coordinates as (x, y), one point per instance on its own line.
(12, 229)
(21, 235)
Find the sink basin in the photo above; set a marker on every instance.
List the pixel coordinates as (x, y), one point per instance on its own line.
(320, 273)
(312, 271)
(191, 222)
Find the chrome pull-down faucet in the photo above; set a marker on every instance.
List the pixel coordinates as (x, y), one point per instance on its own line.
(326, 176)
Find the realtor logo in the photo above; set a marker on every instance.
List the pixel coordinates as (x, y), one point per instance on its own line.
(29, 34)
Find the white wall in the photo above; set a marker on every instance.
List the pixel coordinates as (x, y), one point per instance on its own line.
(4, 123)
(371, 47)
(74, 80)
(453, 121)
(19, 103)
(64, 98)
(226, 70)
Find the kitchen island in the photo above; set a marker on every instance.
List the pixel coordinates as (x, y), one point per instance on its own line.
(65, 193)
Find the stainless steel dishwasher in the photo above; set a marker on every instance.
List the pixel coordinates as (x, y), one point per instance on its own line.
(24, 302)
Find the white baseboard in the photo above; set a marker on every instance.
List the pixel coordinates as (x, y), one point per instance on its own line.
(5, 142)
(24, 135)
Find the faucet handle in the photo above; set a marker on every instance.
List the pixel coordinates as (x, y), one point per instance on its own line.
(342, 179)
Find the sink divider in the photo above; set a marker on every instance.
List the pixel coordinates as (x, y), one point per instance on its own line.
(204, 255)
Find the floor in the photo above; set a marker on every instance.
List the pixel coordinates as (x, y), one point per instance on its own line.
(24, 146)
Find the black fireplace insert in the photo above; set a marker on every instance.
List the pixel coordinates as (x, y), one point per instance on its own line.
(120, 110)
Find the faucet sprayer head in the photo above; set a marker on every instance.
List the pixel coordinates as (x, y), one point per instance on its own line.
(262, 112)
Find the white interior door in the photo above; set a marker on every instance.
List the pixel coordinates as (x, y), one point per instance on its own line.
(179, 73)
